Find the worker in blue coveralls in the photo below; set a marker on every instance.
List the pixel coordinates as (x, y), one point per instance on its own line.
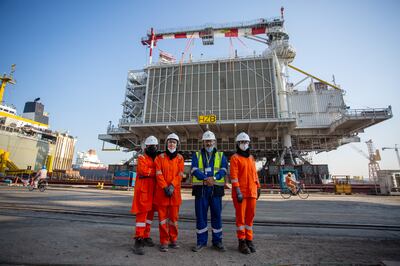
(209, 168)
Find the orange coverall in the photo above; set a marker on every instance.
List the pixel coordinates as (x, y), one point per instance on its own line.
(142, 204)
(168, 172)
(290, 183)
(243, 174)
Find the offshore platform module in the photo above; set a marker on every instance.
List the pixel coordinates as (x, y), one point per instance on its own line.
(227, 96)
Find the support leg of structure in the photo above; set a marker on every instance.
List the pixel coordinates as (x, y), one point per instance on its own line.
(287, 144)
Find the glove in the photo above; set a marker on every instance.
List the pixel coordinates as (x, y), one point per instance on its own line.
(239, 195)
(258, 193)
(166, 191)
(171, 189)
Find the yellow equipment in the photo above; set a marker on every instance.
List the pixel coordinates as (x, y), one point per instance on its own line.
(49, 163)
(12, 168)
(100, 185)
(6, 79)
(342, 184)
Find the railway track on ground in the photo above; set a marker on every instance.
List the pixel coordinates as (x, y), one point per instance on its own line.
(190, 219)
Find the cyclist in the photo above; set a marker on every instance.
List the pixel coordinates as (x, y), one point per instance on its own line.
(40, 176)
(291, 183)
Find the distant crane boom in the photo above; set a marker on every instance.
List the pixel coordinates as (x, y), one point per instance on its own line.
(360, 151)
(396, 149)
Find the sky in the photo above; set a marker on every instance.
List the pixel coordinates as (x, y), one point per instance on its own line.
(75, 56)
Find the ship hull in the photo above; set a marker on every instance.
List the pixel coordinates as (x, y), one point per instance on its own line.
(26, 152)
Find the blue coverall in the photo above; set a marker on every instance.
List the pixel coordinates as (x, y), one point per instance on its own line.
(208, 196)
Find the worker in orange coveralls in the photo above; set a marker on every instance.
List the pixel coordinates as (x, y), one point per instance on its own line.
(245, 191)
(291, 183)
(169, 174)
(142, 204)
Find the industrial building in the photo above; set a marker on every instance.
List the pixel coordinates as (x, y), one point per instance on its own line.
(227, 96)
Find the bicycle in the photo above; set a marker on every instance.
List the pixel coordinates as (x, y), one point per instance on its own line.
(301, 191)
(42, 185)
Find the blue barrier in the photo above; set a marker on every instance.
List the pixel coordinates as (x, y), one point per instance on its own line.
(124, 178)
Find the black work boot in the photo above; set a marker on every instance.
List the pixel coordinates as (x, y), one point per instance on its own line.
(251, 246)
(198, 248)
(174, 245)
(148, 242)
(243, 247)
(138, 247)
(219, 246)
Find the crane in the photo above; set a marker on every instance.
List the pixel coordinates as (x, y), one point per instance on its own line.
(6, 79)
(396, 149)
(277, 37)
(373, 165)
(373, 156)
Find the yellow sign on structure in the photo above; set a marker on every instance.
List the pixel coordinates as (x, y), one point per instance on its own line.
(207, 119)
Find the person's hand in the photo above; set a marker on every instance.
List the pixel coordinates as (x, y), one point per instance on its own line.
(258, 193)
(210, 181)
(166, 191)
(239, 195)
(171, 189)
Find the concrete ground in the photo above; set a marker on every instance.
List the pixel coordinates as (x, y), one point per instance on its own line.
(323, 229)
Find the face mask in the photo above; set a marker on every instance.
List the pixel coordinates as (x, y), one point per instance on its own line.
(151, 149)
(172, 150)
(243, 146)
(209, 149)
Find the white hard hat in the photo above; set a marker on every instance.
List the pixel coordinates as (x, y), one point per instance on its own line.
(173, 136)
(242, 137)
(208, 135)
(151, 140)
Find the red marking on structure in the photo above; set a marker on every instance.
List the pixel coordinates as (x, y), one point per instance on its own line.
(232, 33)
(255, 31)
(122, 178)
(180, 36)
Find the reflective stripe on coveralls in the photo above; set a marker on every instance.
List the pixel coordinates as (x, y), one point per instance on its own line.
(143, 224)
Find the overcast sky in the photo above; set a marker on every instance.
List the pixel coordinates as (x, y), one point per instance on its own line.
(75, 56)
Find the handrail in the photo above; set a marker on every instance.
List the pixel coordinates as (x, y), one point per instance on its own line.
(374, 112)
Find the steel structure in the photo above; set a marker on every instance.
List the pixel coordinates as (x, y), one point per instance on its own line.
(373, 165)
(373, 157)
(396, 149)
(250, 94)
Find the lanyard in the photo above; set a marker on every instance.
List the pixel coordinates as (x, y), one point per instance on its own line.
(208, 159)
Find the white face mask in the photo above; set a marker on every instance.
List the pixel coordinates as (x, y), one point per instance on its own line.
(172, 150)
(244, 146)
(209, 149)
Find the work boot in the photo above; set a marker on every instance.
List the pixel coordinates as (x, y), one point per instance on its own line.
(174, 245)
(138, 247)
(148, 242)
(251, 246)
(198, 248)
(219, 246)
(164, 248)
(243, 247)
